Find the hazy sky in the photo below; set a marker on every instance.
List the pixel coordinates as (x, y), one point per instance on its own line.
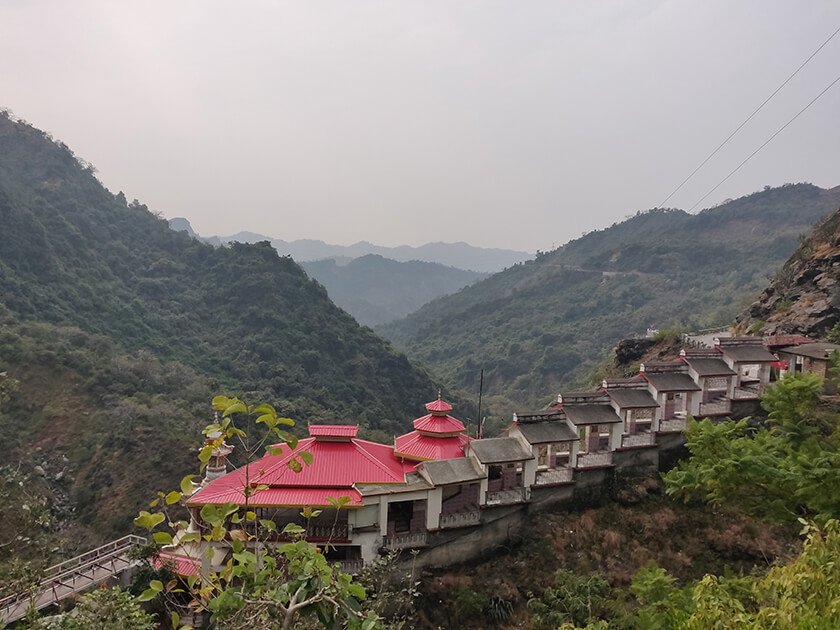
(511, 124)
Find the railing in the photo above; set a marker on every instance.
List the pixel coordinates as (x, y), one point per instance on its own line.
(505, 497)
(637, 439)
(715, 408)
(555, 475)
(406, 541)
(339, 531)
(460, 519)
(673, 425)
(351, 566)
(594, 460)
(746, 393)
(71, 577)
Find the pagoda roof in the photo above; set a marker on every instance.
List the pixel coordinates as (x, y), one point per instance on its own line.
(435, 423)
(438, 406)
(418, 446)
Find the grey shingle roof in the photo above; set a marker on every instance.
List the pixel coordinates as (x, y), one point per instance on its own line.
(546, 432)
(819, 350)
(748, 354)
(499, 450)
(631, 397)
(449, 471)
(582, 415)
(672, 382)
(710, 367)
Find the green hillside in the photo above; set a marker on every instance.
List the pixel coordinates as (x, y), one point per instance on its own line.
(547, 323)
(92, 431)
(73, 253)
(377, 290)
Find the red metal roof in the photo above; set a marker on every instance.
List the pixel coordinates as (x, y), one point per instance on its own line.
(434, 423)
(438, 406)
(333, 430)
(181, 565)
(335, 467)
(417, 446)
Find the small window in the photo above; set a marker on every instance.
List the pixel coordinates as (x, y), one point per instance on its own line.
(494, 472)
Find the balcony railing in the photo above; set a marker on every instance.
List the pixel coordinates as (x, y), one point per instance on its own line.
(461, 519)
(406, 541)
(746, 393)
(339, 531)
(715, 408)
(674, 425)
(556, 475)
(505, 497)
(637, 439)
(594, 460)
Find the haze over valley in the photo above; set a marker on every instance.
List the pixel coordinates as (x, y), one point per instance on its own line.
(420, 315)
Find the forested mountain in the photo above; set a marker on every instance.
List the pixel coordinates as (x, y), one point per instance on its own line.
(377, 290)
(460, 255)
(547, 323)
(75, 257)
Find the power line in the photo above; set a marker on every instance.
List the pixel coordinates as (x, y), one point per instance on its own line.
(766, 142)
(747, 119)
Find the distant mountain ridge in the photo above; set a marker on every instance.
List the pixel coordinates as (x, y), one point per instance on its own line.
(377, 290)
(460, 255)
(549, 322)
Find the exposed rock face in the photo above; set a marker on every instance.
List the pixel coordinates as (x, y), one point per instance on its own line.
(805, 296)
(631, 350)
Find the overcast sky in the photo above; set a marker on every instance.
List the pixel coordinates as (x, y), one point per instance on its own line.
(509, 124)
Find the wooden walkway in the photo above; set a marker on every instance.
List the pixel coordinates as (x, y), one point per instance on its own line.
(72, 577)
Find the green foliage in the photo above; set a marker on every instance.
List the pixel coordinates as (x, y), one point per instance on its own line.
(573, 598)
(651, 584)
(548, 323)
(788, 469)
(833, 335)
(391, 592)
(790, 406)
(470, 605)
(672, 335)
(802, 594)
(103, 609)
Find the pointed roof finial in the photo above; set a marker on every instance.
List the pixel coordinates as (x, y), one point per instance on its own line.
(438, 393)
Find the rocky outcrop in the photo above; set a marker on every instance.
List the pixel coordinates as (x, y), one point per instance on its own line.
(804, 298)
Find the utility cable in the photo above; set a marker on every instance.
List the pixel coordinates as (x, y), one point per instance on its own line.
(766, 142)
(747, 119)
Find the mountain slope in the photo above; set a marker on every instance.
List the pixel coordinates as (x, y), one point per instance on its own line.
(376, 290)
(804, 297)
(94, 430)
(547, 323)
(73, 253)
(460, 255)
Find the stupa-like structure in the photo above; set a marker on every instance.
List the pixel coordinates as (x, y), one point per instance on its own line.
(437, 435)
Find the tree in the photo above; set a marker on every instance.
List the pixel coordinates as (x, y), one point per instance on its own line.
(104, 609)
(261, 585)
(572, 598)
(788, 469)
